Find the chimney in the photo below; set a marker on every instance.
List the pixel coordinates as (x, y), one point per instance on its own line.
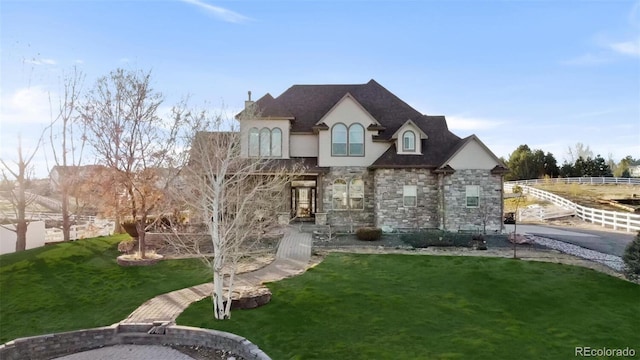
(248, 103)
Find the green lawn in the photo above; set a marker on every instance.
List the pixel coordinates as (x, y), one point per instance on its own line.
(429, 307)
(79, 285)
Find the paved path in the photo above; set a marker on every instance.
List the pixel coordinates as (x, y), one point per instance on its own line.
(292, 258)
(607, 242)
(129, 352)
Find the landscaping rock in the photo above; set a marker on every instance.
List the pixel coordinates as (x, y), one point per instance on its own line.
(245, 297)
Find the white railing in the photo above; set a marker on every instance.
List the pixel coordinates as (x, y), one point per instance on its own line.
(579, 180)
(76, 232)
(618, 220)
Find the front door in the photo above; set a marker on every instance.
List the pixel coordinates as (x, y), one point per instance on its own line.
(303, 199)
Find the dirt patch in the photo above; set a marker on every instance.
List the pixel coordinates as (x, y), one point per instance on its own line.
(588, 195)
(205, 353)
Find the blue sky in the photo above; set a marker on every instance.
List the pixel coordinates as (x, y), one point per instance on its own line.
(544, 73)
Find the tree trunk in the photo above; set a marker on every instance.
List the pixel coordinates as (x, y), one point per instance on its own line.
(218, 295)
(141, 239)
(21, 235)
(66, 219)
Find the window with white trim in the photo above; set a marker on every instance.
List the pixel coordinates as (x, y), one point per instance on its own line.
(348, 196)
(410, 195)
(276, 142)
(265, 142)
(356, 194)
(409, 141)
(339, 140)
(472, 196)
(339, 195)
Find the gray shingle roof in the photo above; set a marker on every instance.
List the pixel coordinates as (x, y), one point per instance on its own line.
(307, 104)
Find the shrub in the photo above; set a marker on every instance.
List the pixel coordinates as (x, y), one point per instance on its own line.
(125, 246)
(369, 233)
(631, 259)
(426, 238)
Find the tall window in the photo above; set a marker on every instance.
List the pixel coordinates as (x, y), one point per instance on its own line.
(276, 142)
(356, 194)
(254, 142)
(347, 141)
(348, 195)
(473, 196)
(339, 140)
(410, 195)
(265, 142)
(339, 195)
(409, 141)
(356, 140)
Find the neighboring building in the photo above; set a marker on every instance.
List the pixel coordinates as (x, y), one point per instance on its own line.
(634, 171)
(374, 160)
(75, 174)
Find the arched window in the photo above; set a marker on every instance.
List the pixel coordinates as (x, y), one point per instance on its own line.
(339, 195)
(276, 142)
(265, 142)
(356, 194)
(339, 140)
(254, 142)
(356, 140)
(409, 141)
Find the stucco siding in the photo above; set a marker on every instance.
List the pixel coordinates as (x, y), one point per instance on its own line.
(247, 124)
(303, 145)
(473, 156)
(349, 112)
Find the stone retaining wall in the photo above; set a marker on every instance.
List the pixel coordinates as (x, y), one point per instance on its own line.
(60, 344)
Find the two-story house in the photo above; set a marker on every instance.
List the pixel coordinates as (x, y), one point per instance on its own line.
(371, 159)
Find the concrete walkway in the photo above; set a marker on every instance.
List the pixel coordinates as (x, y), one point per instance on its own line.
(292, 258)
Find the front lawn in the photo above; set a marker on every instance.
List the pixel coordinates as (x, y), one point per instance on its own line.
(422, 307)
(79, 285)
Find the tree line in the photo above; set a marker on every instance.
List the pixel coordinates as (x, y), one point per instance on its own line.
(525, 163)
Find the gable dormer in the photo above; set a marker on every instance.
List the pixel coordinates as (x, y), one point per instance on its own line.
(408, 139)
(345, 135)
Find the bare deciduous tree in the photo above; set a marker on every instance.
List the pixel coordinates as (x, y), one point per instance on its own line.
(133, 142)
(20, 175)
(66, 144)
(238, 200)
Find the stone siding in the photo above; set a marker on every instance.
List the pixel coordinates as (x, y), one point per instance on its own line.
(60, 344)
(458, 215)
(348, 218)
(389, 208)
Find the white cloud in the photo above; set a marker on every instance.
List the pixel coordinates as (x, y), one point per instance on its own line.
(469, 123)
(627, 47)
(26, 106)
(219, 12)
(35, 61)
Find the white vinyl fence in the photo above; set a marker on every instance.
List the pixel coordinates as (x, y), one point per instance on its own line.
(580, 180)
(76, 232)
(615, 219)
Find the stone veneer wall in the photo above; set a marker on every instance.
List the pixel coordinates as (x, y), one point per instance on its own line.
(390, 209)
(345, 218)
(458, 215)
(60, 344)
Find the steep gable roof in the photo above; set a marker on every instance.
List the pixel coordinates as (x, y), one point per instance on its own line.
(307, 104)
(435, 149)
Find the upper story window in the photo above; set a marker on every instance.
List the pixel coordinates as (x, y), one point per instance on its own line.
(347, 141)
(409, 141)
(265, 142)
(254, 142)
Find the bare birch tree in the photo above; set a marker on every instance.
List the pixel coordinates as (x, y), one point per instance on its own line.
(20, 175)
(66, 144)
(133, 142)
(236, 198)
